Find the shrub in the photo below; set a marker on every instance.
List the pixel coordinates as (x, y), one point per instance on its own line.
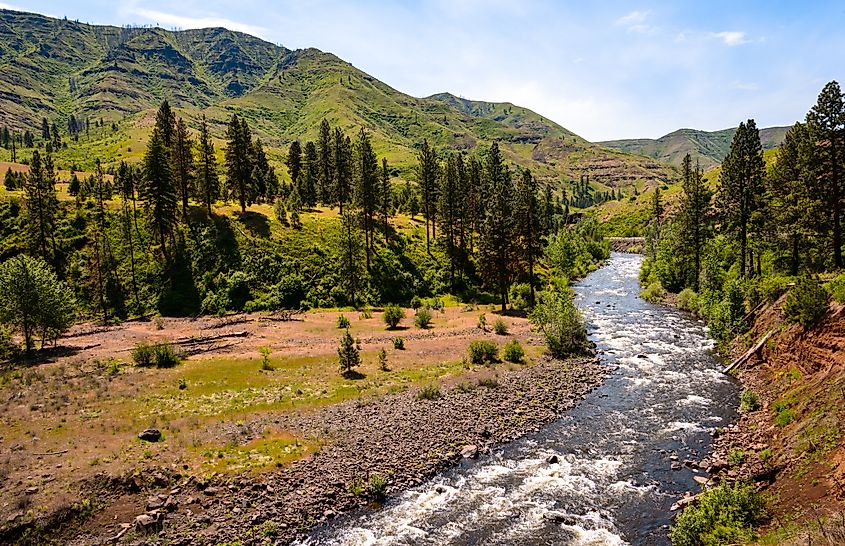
(349, 353)
(513, 351)
(722, 515)
(520, 296)
(464, 386)
(393, 315)
(159, 355)
(416, 303)
(482, 351)
(654, 292)
(736, 457)
(265, 353)
(748, 401)
(560, 322)
(688, 301)
(280, 212)
(366, 313)
(343, 322)
(182, 383)
(806, 303)
(836, 287)
(382, 360)
(377, 487)
(429, 392)
(399, 344)
(489, 382)
(482, 322)
(500, 327)
(422, 319)
(771, 288)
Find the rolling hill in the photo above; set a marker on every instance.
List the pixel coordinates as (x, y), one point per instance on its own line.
(710, 148)
(55, 68)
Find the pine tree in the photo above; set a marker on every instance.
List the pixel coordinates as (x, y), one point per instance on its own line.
(366, 189)
(208, 182)
(528, 225)
(741, 185)
(166, 124)
(826, 122)
(692, 215)
(183, 164)
(42, 206)
(427, 175)
(311, 175)
(447, 209)
(325, 184)
(262, 180)
(294, 162)
(125, 181)
(386, 199)
(109, 290)
(238, 162)
(496, 237)
(45, 130)
(158, 192)
(342, 168)
(350, 259)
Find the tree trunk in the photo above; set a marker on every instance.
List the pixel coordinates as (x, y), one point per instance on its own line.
(837, 228)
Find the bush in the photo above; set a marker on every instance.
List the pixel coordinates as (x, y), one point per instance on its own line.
(160, 355)
(422, 319)
(771, 288)
(513, 351)
(654, 292)
(265, 353)
(280, 212)
(366, 313)
(343, 322)
(736, 457)
(688, 301)
(489, 382)
(382, 360)
(783, 415)
(482, 322)
(520, 296)
(349, 353)
(723, 515)
(748, 401)
(560, 322)
(429, 392)
(482, 351)
(399, 344)
(806, 303)
(393, 315)
(836, 287)
(500, 327)
(377, 487)
(416, 303)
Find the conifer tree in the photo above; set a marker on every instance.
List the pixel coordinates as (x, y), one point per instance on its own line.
(447, 213)
(826, 122)
(741, 185)
(311, 172)
(342, 168)
(208, 182)
(366, 189)
(159, 193)
(42, 206)
(238, 162)
(325, 160)
(528, 228)
(294, 162)
(496, 237)
(166, 124)
(45, 130)
(183, 164)
(692, 215)
(427, 176)
(350, 258)
(385, 199)
(125, 182)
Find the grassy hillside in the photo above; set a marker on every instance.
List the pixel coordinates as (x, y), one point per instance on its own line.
(709, 148)
(56, 68)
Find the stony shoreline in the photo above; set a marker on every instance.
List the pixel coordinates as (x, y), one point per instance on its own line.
(399, 437)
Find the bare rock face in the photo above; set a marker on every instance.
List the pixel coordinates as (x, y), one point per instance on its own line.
(150, 435)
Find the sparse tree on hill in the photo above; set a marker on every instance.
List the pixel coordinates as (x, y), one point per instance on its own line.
(42, 205)
(342, 168)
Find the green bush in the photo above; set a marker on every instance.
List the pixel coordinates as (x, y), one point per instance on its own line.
(771, 288)
(654, 292)
(520, 296)
(482, 351)
(382, 360)
(722, 515)
(806, 303)
(422, 318)
(393, 315)
(280, 212)
(556, 317)
(489, 382)
(783, 414)
(500, 327)
(748, 401)
(513, 351)
(160, 355)
(688, 301)
(366, 313)
(416, 303)
(377, 487)
(482, 322)
(429, 392)
(343, 322)
(836, 287)
(736, 457)
(399, 344)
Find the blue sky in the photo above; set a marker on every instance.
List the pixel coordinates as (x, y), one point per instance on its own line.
(611, 69)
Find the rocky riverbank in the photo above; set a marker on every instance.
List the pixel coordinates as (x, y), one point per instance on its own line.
(372, 446)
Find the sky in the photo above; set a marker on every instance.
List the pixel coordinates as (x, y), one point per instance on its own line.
(605, 70)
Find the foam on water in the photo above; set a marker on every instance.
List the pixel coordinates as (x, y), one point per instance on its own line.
(613, 482)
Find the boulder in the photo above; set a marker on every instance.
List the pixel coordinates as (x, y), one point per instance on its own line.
(469, 451)
(150, 522)
(150, 435)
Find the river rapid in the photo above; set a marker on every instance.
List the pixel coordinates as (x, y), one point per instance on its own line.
(613, 481)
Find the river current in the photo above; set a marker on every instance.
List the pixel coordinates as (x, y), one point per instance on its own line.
(614, 481)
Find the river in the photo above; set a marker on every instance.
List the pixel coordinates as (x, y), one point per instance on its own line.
(613, 483)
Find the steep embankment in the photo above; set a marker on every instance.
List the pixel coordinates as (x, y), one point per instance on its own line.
(792, 444)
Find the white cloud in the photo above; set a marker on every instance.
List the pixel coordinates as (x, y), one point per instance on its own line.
(636, 22)
(173, 20)
(730, 38)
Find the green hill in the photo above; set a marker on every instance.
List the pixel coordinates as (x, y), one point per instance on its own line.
(709, 148)
(57, 68)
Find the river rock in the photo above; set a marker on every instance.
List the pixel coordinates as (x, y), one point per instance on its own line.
(150, 435)
(552, 459)
(469, 451)
(149, 522)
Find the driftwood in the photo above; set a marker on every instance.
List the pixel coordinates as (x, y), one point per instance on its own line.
(195, 350)
(744, 358)
(286, 315)
(230, 320)
(62, 452)
(208, 339)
